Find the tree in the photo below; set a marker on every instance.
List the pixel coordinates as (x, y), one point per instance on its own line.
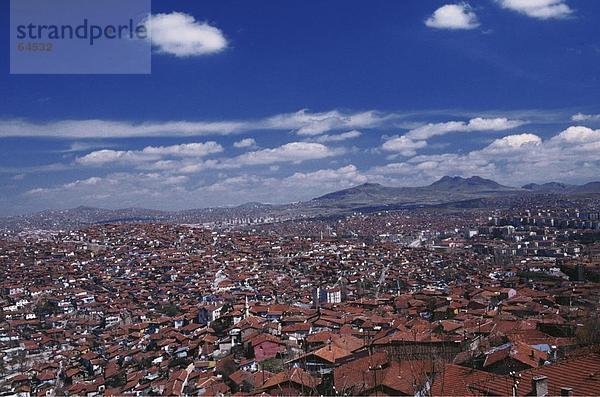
(180, 362)
(273, 365)
(118, 380)
(589, 333)
(2, 366)
(221, 324)
(226, 366)
(45, 309)
(169, 309)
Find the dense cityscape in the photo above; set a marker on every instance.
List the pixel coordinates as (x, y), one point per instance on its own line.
(410, 302)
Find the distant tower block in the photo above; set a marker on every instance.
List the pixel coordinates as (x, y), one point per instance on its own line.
(580, 272)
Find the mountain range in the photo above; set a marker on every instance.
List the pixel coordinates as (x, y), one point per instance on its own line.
(556, 187)
(448, 191)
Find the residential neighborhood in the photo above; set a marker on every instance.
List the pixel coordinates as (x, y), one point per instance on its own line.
(392, 303)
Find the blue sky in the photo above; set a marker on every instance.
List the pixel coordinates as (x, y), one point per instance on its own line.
(282, 101)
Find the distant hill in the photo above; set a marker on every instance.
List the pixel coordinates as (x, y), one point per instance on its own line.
(374, 197)
(472, 184)
(548, 187)
(448, 192)
(446, 187)
(592, 187)
(364, 191)
(557, 187)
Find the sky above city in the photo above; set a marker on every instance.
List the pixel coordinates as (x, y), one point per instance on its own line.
(277, 102)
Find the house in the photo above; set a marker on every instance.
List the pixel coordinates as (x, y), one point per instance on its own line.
(516, 356)
(209, 313)
(296, 332)
(454, 380)
(266, 346)
(380, 374)
(323, 360)
(291, 382)
(574, 376)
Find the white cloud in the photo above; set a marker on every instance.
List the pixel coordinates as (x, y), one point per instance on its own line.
(453, 16)
(540, 9)
(495, 124)
(85, 146)
(317, 127)
(319, 123)
(186, 158)
(35, 169)
(585, 117)
(513, 142)
(303, 122)
(107, 156)
(571, 155)
(476, 124)
(298, 186)
(244, 143)
(403, 145)
(117, 181)
(117, 190)
(338, 137)
(290, 152)
(82, 129)
(155, 190)
(341, 177)
(181, 35)
(578, 135)
(293, 152)
(148, 154)
(197, 149)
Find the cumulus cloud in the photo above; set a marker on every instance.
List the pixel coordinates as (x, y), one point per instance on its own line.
(571, 155)
(107, 156)
(513, 142)
(585, 117)
(149, 153)
(181, 35)
(188, 158)
(290, 152)
(342, 177)
(403, 145)
(540, 9)
(476, 124)
(116, 190)
(197, 149)
(338, 137)
(303, 122)
(453, 16)
(153, 189)
(514, 159)
(298, 186)
(320, 181)
(244, 143)
(143, 183)
(578, 135)
(319, 123)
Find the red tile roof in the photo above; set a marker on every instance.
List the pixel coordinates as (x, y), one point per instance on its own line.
(454, 381)
(581, 373)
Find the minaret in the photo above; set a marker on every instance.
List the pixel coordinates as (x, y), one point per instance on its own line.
(246, 308)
